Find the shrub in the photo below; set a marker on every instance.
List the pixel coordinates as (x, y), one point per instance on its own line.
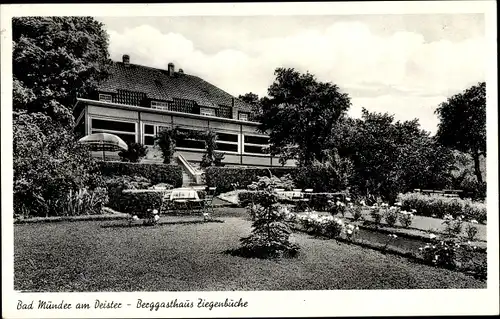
(406, 218)
(440, 206)
(227, 178)
(453, 227)
(284, 182)
(117, 184)
(138, 202)
(271, 233)
(84, 202)
(377, 214)
(391, 216)
(471, 230)
(156, 173)
(48, 163)
(356, 212)
(134, 153)
(322, 177)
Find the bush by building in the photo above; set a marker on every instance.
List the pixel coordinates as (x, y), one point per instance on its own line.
(155, 173)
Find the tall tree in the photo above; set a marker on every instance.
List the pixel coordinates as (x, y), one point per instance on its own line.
(463, 123)
(299, 115)
(56, 59)
(250, 98)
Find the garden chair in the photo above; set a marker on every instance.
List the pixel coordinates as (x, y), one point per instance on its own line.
(182, 198)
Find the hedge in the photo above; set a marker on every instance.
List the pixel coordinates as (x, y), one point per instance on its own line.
(317, 202)
(156, 173)
(229, 178)
(439, 206)
(137, 202)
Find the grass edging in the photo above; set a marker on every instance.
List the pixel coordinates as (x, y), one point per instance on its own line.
(70, 218)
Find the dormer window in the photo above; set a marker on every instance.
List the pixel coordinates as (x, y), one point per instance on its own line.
(207, 111)
(159, 105)
(105, 98)
(243, 116)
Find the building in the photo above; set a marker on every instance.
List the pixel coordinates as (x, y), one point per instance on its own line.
(136, 102)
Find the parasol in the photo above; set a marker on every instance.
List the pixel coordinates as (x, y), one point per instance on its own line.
(104, 142)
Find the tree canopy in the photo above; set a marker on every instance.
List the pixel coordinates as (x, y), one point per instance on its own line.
(391, 157)
(56, 59)
(462, 123)
(299, 115)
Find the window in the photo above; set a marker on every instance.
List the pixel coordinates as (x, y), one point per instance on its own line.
(227, 137)
(149, 134)
(125, 130)
(105, 98)
(227, 147)
(254, 149)
(256, 140)
(159, 105)
(113, 125)
(207, 111)
(243, 116)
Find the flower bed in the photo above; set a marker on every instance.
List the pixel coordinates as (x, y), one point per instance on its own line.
(430, 249)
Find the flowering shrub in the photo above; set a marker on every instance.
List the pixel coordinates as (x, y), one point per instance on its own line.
(441, 252)
(471, 230)
(337, 207)
(351, 231)
(84, 202)
(376, 213)
(391, 215)
(453, 227)
(406, 218)
(356, 212)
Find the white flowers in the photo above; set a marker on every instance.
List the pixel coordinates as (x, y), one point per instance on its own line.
(473, 221)
(157, 218)
(348, 199)
(394, 236)
(135, 217)
(399, 204)
(384, 205)
(155, 211)
(432, 236)
(362, 203)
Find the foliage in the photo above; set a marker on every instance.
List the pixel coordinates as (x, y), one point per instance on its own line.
(226, 178)
(440, 206)
(330, 176)
(391, 215)
(284, 182)
(84, 202)
(453, 227)
(406, 218)
(56, 59)
(211, 158)
(391, 157)
(117, 184)
(155, 173)
(337, 208)
(166, 140)
(48, 164)
(471, 230)
(356, 212)
(463, 123)
(300, 113)
(140, 202)
(270, 236)
(324, 225)
(135, 152)
(377, 213)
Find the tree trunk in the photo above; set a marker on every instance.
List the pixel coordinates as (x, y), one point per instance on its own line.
(477, 168)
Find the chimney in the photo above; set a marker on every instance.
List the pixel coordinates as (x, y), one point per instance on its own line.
(181, 71)
(234, 110)
(171, 69)
(126, 59)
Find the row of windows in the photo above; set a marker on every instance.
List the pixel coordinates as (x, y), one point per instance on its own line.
(225, 141)
(162, 105)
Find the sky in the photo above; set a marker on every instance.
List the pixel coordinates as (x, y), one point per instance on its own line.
(401, 64)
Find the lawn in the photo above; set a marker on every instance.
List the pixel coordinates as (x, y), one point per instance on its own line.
(85, 256)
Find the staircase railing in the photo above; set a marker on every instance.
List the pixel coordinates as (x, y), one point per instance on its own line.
(189, 168)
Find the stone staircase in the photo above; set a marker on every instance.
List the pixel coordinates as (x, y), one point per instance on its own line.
(190, 176)
(187, 180)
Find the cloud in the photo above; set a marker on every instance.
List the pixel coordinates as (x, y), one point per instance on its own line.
(398, 72)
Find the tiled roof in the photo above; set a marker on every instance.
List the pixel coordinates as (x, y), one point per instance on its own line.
(158, 85)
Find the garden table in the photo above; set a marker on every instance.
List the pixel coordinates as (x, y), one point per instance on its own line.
(184, 197)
